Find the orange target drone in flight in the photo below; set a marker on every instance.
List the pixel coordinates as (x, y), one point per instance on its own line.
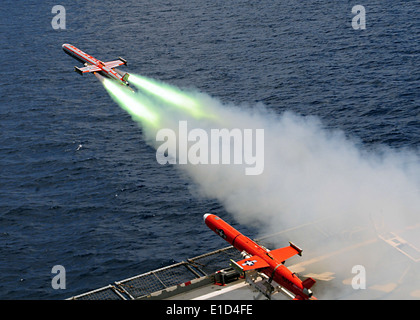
(106, 69)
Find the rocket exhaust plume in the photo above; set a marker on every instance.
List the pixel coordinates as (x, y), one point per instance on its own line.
(137, 107)
(310, 174)
(169, 95)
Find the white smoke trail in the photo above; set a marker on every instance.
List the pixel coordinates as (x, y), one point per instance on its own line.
(309, 172)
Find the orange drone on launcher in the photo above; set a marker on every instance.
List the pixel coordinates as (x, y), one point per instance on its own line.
(106, 69)
(270, 263)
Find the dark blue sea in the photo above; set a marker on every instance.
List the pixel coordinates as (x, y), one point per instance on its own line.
(79, 187)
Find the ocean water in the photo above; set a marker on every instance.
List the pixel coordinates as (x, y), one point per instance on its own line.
(79, 187)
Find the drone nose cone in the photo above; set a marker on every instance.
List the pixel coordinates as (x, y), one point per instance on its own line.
(205, 216)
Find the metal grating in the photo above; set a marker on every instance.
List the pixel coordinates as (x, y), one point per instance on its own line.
(156, 280)
(109, 292)
(160, 279)
(177, 274)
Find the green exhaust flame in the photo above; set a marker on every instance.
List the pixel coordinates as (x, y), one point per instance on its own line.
(168, 94)
(131, 102)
